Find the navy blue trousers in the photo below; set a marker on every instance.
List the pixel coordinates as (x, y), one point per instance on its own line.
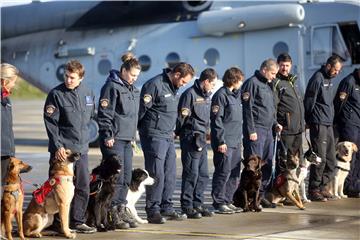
(123, 149)
(348, 132)
(195, 174)
(160, 162)
(264, 147)
(226, 175)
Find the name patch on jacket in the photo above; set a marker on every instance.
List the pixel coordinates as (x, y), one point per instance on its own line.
(89, 101)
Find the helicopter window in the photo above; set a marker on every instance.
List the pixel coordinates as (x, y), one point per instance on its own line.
(145, 62)
(351, 34)
(279, 48)
(60, 71)
(326, 41)
(104, 66)
(211, 57)
(172, 59)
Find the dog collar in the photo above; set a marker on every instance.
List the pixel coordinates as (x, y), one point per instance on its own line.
(343, 169)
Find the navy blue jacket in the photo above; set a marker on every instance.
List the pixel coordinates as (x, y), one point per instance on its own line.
(258, 104)
(347, 100)
(193, 111)
(67, 114)
(226, 118)
(7, 134)
(158, 107)
(318, 100)
(118, 109)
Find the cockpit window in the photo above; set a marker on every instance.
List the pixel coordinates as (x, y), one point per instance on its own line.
(351, 34)
(326, 41)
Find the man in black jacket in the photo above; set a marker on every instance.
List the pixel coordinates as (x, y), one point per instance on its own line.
(347, 120)
(290, 108)
(319, 116)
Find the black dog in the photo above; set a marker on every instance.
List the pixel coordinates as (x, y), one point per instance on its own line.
(101, 192)
(247, 195)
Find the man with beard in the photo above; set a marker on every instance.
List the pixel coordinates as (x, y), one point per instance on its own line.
(319, 116)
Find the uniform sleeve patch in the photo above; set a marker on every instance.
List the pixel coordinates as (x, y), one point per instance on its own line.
(215, 108)
(185, 112)
(342, 96)
(246, 96)
(147, 98)
(50, 109)
(104, 103)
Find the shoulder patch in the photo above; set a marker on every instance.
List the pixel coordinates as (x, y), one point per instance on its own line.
(147, 98)
(50, 109)
(185, 112)
(104, 103)
(342, 96)
(245, 96)
(215, 108)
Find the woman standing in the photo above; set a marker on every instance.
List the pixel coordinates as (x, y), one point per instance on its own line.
(117, 118)
(9, 75)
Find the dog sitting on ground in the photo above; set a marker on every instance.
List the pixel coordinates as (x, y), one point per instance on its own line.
(13, 197)
(310, 157)
(344, 154)
(287, 183)
(140, 179)
(53, 197)
(102, 187)
(247, 195)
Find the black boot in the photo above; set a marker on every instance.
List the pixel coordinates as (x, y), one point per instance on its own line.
(126, 216)
(115, 220)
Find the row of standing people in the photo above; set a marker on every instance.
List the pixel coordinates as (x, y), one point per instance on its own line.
(155, 112)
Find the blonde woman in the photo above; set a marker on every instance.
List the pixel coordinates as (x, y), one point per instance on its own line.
(9, 75)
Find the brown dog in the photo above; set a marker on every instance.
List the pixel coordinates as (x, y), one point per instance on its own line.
(287, 184)
(247, 194)
(13, 197)
(40, 214)
(344, 154)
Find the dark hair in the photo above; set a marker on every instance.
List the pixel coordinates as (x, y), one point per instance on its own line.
(129, 62)
(184, 69)
(208, 73)
(74, 66)
(232, 76)
(333, 60)
(284, 57)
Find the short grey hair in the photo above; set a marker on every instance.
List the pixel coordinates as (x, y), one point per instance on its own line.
(269, 64)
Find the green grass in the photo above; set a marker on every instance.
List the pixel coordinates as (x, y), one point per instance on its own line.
(24, 90)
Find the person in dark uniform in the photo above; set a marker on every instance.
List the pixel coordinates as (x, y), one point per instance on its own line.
(226, 134)
(9, 75)
(157, 119)
(347, 120)
(259, 115)
(117, 117)
(290, 109)
(319, 116)
(192, 126)
(67, 113)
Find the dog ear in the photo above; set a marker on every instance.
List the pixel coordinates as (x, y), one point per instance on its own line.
(355, 148)
(338, 146)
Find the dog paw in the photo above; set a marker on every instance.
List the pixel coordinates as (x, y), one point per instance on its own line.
(258, 209)
(306, 201)
(71, 235)
(143, 221)
(343, 196)
(302, 208)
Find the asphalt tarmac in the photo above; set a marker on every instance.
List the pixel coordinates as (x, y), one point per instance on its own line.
(330, 220)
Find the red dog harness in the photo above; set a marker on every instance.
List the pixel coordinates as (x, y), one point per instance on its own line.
(41, 193)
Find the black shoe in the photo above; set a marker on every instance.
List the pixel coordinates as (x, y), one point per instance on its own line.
(126, 216)
(316, 196)
(353, 194)
(224, 209)
(235, 209)
(326, 194)
(115, 221)
(83, 228)
(192, 213)
(288, 202)
(204, 211)
(174, 216)
(266, 204)
(156, 218)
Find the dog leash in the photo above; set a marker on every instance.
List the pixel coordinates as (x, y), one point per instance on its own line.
(28, 182)
(273, 162)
